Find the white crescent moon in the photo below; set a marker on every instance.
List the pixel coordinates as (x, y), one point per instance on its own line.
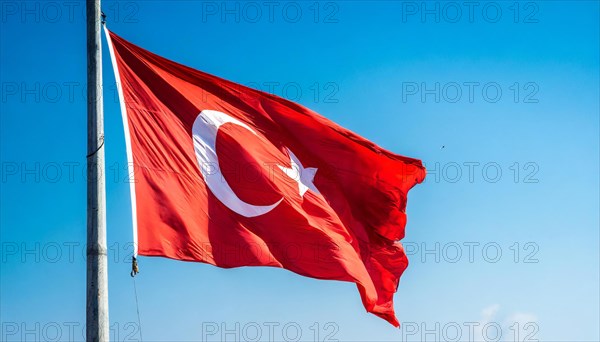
(204, 133)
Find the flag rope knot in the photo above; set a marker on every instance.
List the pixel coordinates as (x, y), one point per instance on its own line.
(134, 267)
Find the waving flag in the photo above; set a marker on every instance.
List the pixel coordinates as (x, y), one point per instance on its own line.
(231, 176)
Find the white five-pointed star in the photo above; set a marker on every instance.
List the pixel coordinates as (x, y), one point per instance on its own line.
(304, 176)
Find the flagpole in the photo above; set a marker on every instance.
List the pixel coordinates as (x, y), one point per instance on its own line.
(97, 325)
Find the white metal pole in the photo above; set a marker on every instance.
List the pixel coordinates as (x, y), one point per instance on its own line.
(97, 324)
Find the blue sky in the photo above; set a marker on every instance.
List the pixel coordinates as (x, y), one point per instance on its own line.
(502, 236)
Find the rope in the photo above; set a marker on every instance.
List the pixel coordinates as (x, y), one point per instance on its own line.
(137, 307)
(98, 149)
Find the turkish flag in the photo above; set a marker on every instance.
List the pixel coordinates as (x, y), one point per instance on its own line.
(231, 176)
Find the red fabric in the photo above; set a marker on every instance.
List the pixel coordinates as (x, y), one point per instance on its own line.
(349, 232)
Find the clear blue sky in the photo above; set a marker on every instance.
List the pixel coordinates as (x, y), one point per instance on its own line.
(377, 68)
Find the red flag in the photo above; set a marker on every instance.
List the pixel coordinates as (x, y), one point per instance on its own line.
(232, 176)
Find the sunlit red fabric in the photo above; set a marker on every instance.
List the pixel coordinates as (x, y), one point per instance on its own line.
(348, 232)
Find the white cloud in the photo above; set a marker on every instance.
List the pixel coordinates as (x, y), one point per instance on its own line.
(522, 318)
(521, 326)
(515, 326)
(490, 312)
